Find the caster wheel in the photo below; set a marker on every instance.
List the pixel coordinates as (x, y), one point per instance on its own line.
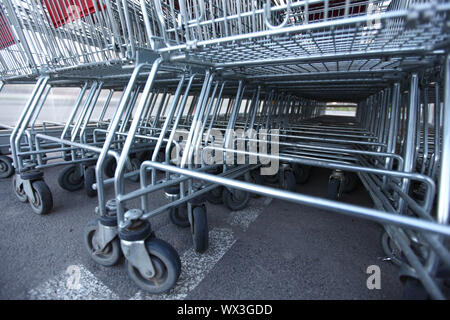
(19, 191)
(89, 180)
(301, 172)
(333, 189)
(109, 167)
(350, 182)
(200, 236)
(179, 216)
(69, 179)
(391, 250)
(43, 202)
(289, 183)
(135, 165)
(107, 257)
(215, 195)
(166, 262)
(6, 167)
(414, 290)
(235, 200)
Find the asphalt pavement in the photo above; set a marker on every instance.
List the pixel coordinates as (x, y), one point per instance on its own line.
(270, 250)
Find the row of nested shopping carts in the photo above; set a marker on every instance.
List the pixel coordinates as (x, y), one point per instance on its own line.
(220, 99)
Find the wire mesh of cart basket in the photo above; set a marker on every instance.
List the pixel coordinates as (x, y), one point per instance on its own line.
(251, 79)
(58, 35)
(273, 59)
(74, 43)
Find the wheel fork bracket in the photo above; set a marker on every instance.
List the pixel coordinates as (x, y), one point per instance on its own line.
(103, 236)
(26, 187)
(136, 254)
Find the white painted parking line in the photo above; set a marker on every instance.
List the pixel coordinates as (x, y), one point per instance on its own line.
(76, 283)
(243, 218)
(79, 283)
(196, 266)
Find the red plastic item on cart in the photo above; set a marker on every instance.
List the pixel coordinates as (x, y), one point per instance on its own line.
(6, 36)
(64, 11)
(336, 8)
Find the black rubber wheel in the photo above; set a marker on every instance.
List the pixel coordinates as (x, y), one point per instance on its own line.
(333, 189)
(166, 262)
(236, 200)
(179, 216)
(6, 167)
(350, 182)
(19, 191)
(302, 173)
(32, 175)
(414, 290)
(109, 221)
(141, 230)
(110, 255)
(200, 235)
(289, 183)
(109, 167)
(89, 180)
(215, 195)
(43, 202)
(391, 249)
(69, 179)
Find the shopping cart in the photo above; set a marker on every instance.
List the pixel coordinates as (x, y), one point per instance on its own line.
(6, 167)
(100, 45)
(247, 83)
(62, 43)
(369, 53)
